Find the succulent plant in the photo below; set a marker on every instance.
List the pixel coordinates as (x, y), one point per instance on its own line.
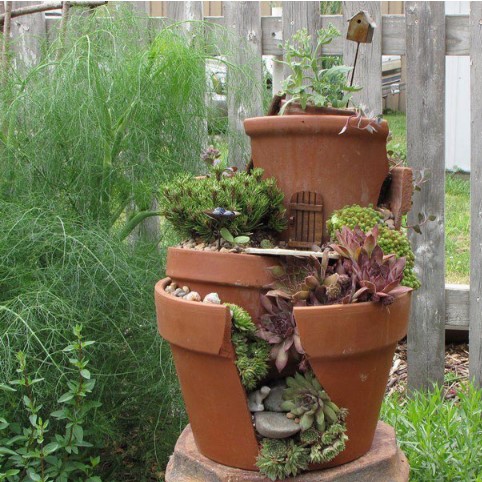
(185, 201)
(278, 328)
(321, 439)
(279, 459)
(252, 353)
(378, 277)
(306, 400)
(390, 240)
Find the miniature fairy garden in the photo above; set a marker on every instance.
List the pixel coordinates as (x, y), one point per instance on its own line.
(301, 264)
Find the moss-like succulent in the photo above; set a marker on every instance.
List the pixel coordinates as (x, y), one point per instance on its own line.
(258, 201)
(241, 319)
(252, 353)
(353, 216)
(390, 240)
(279, 459)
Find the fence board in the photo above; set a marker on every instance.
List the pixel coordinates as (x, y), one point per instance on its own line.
(245, 20)
(368, 71)
(189, 10)
(27, 32)
(393, 34)
(475, 357)
(425, 149)
(298, 15)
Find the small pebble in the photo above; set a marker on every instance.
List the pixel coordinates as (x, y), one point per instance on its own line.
(224, 250)
(169, 289)
(186, 289)
(200, 246)
(193, 296)
(176, 291)
(180, 293)
(212, 298)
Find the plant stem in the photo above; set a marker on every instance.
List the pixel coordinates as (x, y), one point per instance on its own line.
(137, 219)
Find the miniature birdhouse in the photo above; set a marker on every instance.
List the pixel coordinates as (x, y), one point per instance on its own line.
(361, 27)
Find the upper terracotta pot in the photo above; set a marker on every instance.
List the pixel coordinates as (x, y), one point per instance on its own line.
(316, 165)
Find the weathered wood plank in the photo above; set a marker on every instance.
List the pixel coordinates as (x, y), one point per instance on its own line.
(245, 20)
(425, 142)
(368, 73)
(475, 357)
(457, 307)
(298, 15)
(27, 34)
(189, 10)
(393, 34)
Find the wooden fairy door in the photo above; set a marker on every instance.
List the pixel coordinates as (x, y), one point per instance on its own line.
(305, 219)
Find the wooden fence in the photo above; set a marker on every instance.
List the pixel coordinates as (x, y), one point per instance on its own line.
(424, 36)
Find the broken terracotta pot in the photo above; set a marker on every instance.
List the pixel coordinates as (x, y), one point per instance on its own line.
(350, 348)
(315, 165)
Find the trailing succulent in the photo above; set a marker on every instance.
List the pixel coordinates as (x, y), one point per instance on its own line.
(252, 353)
(278, 328)
(322, 436)
(259, 202)
(390, 240)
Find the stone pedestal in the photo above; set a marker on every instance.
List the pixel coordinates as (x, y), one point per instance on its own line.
(385, 462)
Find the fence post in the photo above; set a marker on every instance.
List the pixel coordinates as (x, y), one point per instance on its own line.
(475, 334)
(244, 18)
(425, 50)
(368, 73)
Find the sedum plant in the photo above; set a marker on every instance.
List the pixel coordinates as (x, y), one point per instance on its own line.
(310, 81)
(258, 201)
(252, 353)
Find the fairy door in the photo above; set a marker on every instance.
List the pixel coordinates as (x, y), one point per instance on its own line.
(305, 219)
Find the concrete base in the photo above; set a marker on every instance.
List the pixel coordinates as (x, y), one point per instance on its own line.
(385, 462)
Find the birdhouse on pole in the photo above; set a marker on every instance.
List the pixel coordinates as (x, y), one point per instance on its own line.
(361, 27)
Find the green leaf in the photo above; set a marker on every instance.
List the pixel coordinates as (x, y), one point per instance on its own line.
(242, 239)
(51, 447)
(85, 374)
(7, 388)
(3, 424)
(78, 432)
(65, 397)
(59, 414)
(33, 475)
(226, 235)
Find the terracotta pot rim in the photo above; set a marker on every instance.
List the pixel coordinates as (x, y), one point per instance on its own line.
(360, 307)
(238, 269)
(308, 124)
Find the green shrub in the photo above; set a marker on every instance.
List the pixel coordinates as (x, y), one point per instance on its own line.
(55, 273)
(259, 202)
(30, 448)
(442, 439)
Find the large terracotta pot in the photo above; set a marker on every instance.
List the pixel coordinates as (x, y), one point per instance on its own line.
(307, 154)
(350, 348)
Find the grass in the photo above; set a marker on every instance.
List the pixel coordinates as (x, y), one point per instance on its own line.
(457, 209)
(442, 439)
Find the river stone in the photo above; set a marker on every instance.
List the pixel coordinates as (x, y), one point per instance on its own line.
(275, 425)
(274, 400)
